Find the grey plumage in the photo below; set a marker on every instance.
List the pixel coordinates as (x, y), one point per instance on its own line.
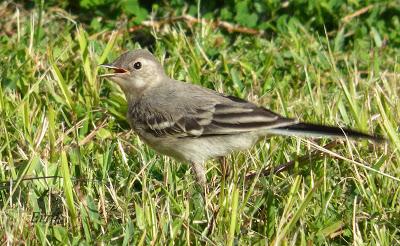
(192, 123)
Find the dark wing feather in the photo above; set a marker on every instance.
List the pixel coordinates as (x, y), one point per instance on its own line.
(232, 116)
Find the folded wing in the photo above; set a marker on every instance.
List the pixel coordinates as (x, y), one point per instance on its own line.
(224, 118)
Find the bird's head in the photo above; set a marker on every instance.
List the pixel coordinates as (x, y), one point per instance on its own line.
(135, 71)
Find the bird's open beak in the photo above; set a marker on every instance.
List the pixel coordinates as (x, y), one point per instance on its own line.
(117, 70)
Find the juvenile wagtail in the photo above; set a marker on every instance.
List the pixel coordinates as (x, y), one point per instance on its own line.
(192, 123)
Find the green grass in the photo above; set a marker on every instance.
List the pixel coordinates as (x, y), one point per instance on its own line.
(59, 119)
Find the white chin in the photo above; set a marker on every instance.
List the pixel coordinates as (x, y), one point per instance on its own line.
(139, 83)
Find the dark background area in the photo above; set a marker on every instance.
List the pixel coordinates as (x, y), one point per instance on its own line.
(270, 16)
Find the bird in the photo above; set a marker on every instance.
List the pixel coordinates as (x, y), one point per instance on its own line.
(192, 123)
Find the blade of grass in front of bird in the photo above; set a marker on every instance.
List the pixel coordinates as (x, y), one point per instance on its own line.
(290, 225)
(129, 232)
(83, 47)
(52, 133)
(8, 148)
(367, 167)
(287, 210)
(337, 76)
(2, 99)
(30, 166)
(62, 84)
(84, 218)
(386, 122)
(249, 192)
(353, 105)
(92, 86)
(331, 228)
(108, 48)
(26, 120)
(68, 189)
(234, 215)
(173, 200)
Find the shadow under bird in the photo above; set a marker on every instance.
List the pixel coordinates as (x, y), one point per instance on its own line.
(193, 124)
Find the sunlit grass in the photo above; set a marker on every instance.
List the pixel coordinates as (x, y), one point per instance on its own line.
(60, 121)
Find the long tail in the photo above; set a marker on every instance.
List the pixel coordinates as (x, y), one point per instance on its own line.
(313, 130)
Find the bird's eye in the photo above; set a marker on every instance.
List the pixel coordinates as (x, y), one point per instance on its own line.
(137, 65)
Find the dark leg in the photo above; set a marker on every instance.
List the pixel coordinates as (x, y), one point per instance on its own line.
(200, 173)
(224, 167)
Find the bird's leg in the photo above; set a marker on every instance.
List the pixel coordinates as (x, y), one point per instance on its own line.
(224, 167)
(200, 173)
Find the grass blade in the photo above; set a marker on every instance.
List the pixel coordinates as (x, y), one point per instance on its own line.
(67, 186)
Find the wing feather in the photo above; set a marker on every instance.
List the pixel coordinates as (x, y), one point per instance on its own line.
(220, 119)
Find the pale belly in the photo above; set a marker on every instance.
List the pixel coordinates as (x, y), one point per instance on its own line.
(199, 150)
